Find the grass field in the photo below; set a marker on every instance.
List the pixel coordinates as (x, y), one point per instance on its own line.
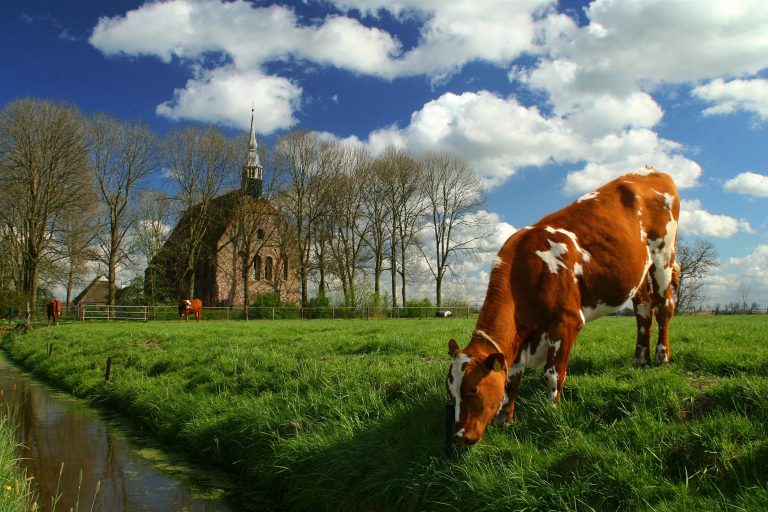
(348, 415)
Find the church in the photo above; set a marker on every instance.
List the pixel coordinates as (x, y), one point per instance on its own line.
(247, 247)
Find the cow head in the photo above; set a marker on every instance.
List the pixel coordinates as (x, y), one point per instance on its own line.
(476, 383)
(186, 304)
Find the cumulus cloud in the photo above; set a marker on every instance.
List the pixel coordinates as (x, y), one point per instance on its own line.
(748, 184)
(696, 221)
(226, 89)
(242, 38)
(499, 136)
(734, 95)
(754, 264)
(631, 45)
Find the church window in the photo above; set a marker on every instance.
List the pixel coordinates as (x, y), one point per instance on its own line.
(257, 268)
(259, 234)
(268, 269)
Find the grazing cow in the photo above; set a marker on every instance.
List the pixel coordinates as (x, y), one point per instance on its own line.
(549, 279)
(194, 306)
(53, 309)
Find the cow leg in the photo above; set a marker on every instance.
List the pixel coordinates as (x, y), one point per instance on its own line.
(560, 339)
(664, 307)
(507, 412)
(641, 303)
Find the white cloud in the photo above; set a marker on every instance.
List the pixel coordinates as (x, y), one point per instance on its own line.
(748, 184)
(754, 264)
(729, 97)
(616, 154)
(218, 97)
(631, 45)
(696, 221)
(498, 136)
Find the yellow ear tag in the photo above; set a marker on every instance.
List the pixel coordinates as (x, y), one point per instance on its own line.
(496, 365)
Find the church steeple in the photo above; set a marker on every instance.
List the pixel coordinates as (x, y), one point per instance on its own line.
(252, 170)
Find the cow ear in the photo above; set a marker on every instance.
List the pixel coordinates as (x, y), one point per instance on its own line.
(495, 362)
(453, 348)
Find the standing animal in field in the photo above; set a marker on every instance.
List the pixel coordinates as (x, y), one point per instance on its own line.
(549, 279)
(53, 309)
(194, 306)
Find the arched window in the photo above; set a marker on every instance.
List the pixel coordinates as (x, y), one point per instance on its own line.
(259, 234)
(268, 269)
(285, 266)
(257, 268)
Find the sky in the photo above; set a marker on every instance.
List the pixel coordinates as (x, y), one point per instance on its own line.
(546, 100)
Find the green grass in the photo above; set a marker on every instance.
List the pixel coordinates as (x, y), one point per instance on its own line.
(15, 494)
(332, 415)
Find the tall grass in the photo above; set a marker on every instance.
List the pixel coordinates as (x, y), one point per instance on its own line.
(331, 415)
(15, 491)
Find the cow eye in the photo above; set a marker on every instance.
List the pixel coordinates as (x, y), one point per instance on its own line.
(472, 391)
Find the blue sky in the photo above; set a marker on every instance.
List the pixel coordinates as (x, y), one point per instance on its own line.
(546, 100)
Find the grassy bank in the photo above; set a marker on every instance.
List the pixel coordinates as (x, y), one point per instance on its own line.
(331, 415)
(15, 495)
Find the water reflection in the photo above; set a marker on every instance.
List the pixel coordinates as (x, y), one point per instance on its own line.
(58, 430)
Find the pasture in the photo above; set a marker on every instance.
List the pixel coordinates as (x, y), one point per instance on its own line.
(348, 415)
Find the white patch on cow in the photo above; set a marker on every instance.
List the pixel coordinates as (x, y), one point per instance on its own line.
(457, 374)
(551, 377)
(641, 330)
(600, 309)
(583, 320)
(643, 311)
(570, 234)
(528, 359)
(556, 345)
(552, 256)
(644, 171)
(669, 199)
(661, 354)
(497, 262)
(578, 269)
(588, 196)
(661, 250)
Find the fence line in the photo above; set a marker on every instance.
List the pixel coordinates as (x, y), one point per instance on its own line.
(147, 313)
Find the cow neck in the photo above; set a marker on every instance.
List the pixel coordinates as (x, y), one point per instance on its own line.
(477, 333)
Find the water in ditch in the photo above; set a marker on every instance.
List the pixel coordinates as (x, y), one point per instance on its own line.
(81, 461)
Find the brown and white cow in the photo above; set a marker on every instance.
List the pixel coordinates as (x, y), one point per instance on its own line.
(53, 309)
(194, 306)
(549, 279)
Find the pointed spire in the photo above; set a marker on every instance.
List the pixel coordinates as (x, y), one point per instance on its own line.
(253, 153)
(252, 170)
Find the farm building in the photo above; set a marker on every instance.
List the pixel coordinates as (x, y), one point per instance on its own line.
(243, 238)
(97, 292)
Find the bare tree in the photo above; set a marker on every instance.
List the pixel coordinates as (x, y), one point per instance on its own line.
(75, 246)
(349, 223)
(695, 262)
(150, 231)
(743, 290)
(377, 213)
(305, 163)
(454, 195)
(122, 156)
(403, 195)
(44, 171)
(201, 164)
